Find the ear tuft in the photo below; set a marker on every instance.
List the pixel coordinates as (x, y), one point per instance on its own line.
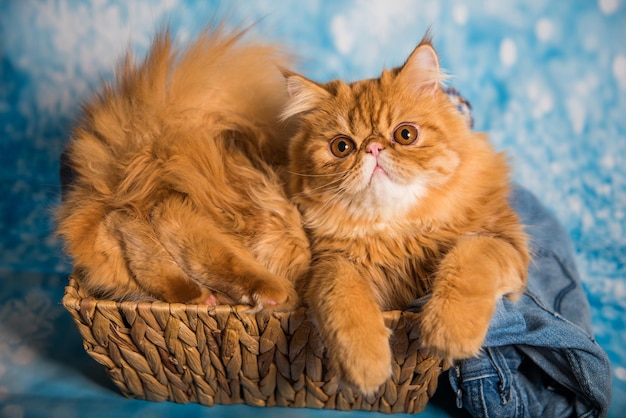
(304, 95)
(421, 71)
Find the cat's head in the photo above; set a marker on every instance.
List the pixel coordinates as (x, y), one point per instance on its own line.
(377, 148)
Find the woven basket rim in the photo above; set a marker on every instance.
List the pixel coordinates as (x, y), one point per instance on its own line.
(74, 298)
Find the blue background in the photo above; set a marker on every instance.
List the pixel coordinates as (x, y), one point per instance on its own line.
(547, 81)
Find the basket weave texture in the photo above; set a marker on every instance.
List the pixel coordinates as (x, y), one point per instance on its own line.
(224, 355)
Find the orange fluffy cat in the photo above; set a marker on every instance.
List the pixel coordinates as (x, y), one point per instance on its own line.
(173, 197)
(400, 199)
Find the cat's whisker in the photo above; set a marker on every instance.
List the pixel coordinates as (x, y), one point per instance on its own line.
(333, 187)
(329, 194)
(331, 199)
(318, 175)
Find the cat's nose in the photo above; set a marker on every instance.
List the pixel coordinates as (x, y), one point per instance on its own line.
(374, 148)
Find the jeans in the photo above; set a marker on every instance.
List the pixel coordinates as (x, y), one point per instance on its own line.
(539, 357)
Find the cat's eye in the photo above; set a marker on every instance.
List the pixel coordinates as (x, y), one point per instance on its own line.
(341, 146)
(405, 134)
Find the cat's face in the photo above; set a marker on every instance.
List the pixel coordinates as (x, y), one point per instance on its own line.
(375, 147)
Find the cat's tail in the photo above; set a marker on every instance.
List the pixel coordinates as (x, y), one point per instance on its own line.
(222, 74)
(223, 80)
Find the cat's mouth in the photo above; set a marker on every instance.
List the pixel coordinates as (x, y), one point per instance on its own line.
(379, 170)
(376, 171)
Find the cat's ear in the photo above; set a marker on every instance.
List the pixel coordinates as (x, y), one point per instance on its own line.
(304, 94)
(421, 71)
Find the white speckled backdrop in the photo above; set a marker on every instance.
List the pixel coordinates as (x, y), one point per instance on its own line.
(546, 79)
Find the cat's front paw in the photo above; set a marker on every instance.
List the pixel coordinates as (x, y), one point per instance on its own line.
(364, 361)
(453, 330)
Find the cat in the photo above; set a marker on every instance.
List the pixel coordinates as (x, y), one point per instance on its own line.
(401, 200)
(173, 196)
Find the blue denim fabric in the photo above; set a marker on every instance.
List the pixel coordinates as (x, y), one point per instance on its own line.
(539, 357)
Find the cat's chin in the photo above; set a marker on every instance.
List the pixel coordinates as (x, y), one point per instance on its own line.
(387, 198)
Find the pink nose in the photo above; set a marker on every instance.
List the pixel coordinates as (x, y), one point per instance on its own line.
(374, 148)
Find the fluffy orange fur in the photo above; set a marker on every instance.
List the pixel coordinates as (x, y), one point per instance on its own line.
(400, 199)
(174, 198)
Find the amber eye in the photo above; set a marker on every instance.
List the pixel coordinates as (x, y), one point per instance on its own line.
(405, 134)
(341, 146)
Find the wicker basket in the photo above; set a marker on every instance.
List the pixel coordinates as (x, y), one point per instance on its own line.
(224, 355)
